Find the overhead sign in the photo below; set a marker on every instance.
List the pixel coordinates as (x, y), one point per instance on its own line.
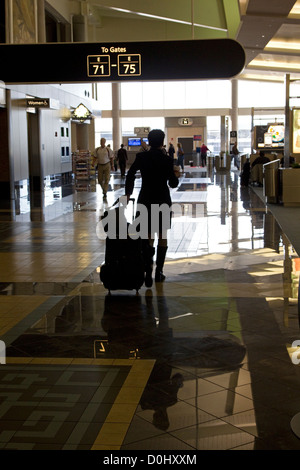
(38, 103)
(130, 61)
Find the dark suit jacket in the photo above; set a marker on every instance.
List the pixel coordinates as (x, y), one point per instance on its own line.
(157, 173)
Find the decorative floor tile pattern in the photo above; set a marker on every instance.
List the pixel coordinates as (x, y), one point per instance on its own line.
(210, 365)
(63, 405)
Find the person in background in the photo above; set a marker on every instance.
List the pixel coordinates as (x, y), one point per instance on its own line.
(261, 159)
(144, 147)
(245, 174)
(203, 154)
(256, 174)
(157, 172)
(122, 158)
(180, 156)
(171, 151)
(104, 157)
(235, 154)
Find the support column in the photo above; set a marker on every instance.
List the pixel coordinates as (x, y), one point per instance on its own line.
(116, 121)
(82, 135)
(79, 28)
(234, 106)
(252, 129)
(287, 122)
(7, 201)
(36, 168)
(223, 135)
(41, 32)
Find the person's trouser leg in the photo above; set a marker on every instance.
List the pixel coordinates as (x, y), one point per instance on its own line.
(161, 252)
(122, 168)
(106, 178)
(100, 175)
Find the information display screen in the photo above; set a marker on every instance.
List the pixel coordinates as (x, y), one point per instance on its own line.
(133, 142)
(143, 61)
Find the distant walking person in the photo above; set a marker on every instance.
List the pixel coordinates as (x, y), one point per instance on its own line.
(180, 156)
(157, 172)
(203, 154)
(105, 157)
(171, 151)
(235, 154)
(122, 158)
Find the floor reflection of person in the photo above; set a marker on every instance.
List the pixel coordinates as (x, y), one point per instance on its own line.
(161, 393)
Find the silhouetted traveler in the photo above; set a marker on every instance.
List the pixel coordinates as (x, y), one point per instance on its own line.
(180, 156)
(158, 175)
(261, 159)
(122, 159)
(171, 150)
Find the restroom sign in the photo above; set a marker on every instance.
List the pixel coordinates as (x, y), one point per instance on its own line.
(38, 103)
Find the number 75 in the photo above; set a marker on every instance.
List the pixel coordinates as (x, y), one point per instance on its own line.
(129, 68)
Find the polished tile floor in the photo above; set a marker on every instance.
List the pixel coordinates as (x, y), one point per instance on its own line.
(203, 361)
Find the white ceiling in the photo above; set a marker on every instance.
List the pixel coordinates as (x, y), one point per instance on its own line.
(270, 34)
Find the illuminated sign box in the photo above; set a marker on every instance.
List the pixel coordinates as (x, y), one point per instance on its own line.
(150, 60)
(296, 130)
(269, 136)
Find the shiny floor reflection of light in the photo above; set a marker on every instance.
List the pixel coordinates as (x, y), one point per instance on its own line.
(202, 361)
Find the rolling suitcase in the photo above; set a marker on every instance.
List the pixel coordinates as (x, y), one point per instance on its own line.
(124, 266)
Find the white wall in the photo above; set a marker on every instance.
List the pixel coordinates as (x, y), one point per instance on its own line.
(50, 128)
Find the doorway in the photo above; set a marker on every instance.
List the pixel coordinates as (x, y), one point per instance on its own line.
(187, 145)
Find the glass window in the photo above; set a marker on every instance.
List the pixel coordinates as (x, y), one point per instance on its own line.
(214, 134)
(260, 94)
(218, 94)
(132, 95)
(128, 124)
(196, 94)
(244, 134)
(174, 95)
(153, 95)
(103, 128)
(104, 95)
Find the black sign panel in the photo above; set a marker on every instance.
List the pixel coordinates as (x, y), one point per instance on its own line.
(38, 103)
(131, 61)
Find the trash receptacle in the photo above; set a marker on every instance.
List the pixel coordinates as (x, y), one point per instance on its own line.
(271, 181)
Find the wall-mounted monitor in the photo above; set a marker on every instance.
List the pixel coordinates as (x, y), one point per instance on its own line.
(146, 140)
(269, 136)
(134, 142)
